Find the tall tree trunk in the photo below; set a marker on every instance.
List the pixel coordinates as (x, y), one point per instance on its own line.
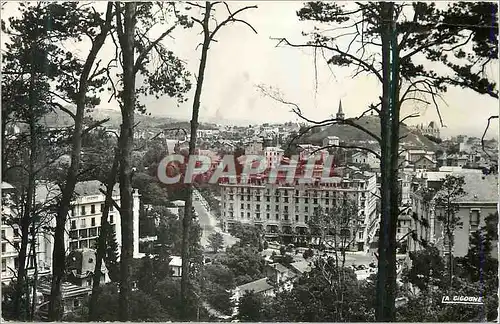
(35, 275)
(126, 142)
(395, 192)
(101, 244)
(187, 219)
(384, 298)
(28, 205)
(59, 252)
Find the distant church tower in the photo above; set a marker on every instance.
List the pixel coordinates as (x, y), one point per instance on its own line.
(340, 114)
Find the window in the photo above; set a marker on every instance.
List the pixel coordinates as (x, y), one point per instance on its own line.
(83, 244)
(16, 246)
(242, 214)
(76, 303)
(72, 211)
(111, 220)
(83, 211)
(296, 218)
(248, 215)
(73, 235)
(474, 219)
(248, 206)
(16, 232)
(93, 231)
(102, 208)
(4, 265)
(92, 222)
(92, 209)
(83, 233)
(3, 234)
(4, 247)
(73, 224)
(16, 263)
(242, 206)
(315, 200)
(306, 218)
(83, 223)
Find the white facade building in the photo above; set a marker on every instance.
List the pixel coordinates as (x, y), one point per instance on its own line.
(284, 210)
(273, 155)
(82, 226)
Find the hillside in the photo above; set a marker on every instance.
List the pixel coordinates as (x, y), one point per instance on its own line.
(60, 119)
(350, 134)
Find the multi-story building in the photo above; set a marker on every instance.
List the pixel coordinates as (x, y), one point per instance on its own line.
(480, 200)
(255, 147)
(331, 141)
(11, 240)
(84, 220)
(273, 155)
(308, 150)
(365, 157)
(432, 129)
(284, 209)
(10, 235)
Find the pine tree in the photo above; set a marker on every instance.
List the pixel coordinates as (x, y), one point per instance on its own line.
(112, 255)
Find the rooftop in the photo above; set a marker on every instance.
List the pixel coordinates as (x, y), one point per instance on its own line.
(479, 187)
(46, 190)
(301, 266)
(279, 267)
(175, 261)
(256, 286)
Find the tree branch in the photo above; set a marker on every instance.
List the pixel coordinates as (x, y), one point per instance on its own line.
(232, 19)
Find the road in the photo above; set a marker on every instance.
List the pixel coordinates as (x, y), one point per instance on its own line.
(209, 224)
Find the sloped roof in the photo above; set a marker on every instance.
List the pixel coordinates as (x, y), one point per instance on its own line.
(256, 286)
(175, 261)
(6, 185)
(301, 266)
(479, 187)
(46, 190)
(279, 267)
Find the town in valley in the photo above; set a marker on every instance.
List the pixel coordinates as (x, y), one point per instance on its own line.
(404, 228)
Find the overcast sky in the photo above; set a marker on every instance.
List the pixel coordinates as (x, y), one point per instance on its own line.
(241, 59)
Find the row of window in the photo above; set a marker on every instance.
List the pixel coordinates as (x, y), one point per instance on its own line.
(31, 263)
(83, 210)
(86, 233)
(83, 222)
(16, 233)
(268, 192)
(82, 244)
(268, 216)
(4, 247)
(277, 207)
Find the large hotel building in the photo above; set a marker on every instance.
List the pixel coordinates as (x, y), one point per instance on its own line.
(283, 210)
